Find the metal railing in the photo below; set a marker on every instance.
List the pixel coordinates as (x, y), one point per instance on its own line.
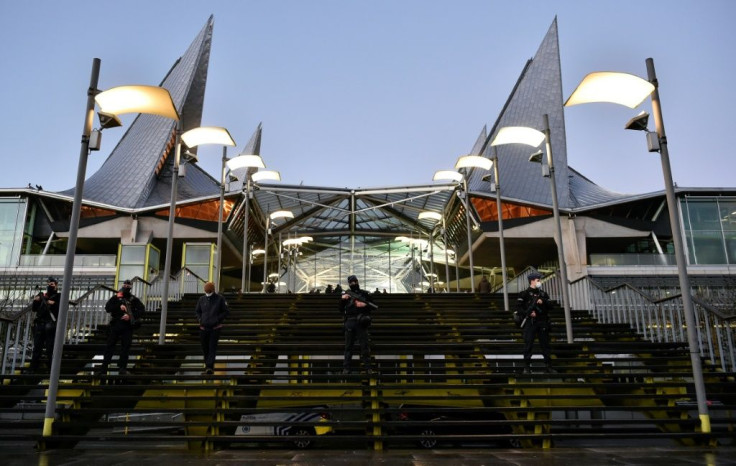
(657, 314)
(86, 310)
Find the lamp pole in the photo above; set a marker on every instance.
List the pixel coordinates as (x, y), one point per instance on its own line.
(245, 283)
(466, 198)
(447, 260)
(687, 301)
(502, 246)
(169, 240)
(265, 254)
(218, 275)
(71, 247)
(558, 224)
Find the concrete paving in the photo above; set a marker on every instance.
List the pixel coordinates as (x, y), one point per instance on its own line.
(167, 456)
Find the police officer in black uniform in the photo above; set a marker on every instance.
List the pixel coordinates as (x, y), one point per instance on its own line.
(124, 309)
(46, 307)
(356, 320)
(535, 304)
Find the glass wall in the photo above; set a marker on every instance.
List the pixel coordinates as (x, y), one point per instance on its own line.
(710, 229)
(12, 220)
(137, 260)
(199, 258)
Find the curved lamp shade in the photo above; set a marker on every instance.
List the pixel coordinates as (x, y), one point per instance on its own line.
(261, 175)
(474, 161)
(245, 161)
(297, 241)
(429, 215)
(137, 99)
(608, 86)
(281, 214)
(207, 135)
(518, 135)
(451, 175)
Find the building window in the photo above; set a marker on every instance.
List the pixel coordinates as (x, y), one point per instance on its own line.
(12, 221)
(710, 229)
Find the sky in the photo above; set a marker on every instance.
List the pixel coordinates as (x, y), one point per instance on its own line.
(366, 93)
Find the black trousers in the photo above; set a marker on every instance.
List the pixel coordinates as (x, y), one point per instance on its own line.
(539, 329)
(44, 334)
(359, 333)
(209, 338)
(122, 331)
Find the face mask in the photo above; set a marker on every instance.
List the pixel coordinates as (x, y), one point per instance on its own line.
(126, 291)
(208, 294)
(354, 287)
(51, 288)
(539, 285)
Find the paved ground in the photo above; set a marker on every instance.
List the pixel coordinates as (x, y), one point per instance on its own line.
(165, 456)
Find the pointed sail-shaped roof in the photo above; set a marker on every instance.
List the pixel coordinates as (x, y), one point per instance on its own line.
(252, 148)
(478, 146)
(537, 92)
(138, 171)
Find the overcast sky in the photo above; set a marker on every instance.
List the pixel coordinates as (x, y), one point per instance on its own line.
(371, 93)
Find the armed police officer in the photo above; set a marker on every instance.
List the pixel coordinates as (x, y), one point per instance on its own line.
(355, 306)
(534, 304)
(46, 307)
(125, 311)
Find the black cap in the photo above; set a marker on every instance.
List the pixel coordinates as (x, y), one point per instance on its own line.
(128, 282)
(352, 278)
(534, 276)
(52, 279)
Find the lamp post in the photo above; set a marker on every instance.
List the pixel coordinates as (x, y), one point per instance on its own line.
(533, 137)
(192, 138)
(249, 162)
(434, 217)
(631, 91)
(113, 102)
(465, 162)
(220, 220)
(501, 243)
(272, 216)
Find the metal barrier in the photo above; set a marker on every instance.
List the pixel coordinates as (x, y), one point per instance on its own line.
(657, 314)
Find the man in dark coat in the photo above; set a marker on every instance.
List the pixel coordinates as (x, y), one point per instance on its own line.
(356, 312)
(535, 304)
(124, 309)
(46, 307)
(211, 312)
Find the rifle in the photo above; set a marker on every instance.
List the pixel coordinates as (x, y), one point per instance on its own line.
(135, 323)
(43, 306)
(358, 297)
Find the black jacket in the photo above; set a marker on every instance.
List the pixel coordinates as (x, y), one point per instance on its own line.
(526, 303)
(211, 310)
(134, 305)
(348, 308)
(45, 311)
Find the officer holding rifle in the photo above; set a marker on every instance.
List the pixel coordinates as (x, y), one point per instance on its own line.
(356, 305)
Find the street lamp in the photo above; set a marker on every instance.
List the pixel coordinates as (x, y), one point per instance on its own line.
(192, 138)
(249, 162)
(467, 162)
(272, 216)
(630, 90)
(433, 217)
(113, 102)
(501, 243)
(533, 137)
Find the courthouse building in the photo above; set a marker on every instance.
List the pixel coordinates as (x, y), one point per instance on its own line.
(382, 235)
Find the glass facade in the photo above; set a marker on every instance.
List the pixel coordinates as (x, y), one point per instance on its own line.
(710, 229)
(137, 260)
(200, 259)
(12, 221)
